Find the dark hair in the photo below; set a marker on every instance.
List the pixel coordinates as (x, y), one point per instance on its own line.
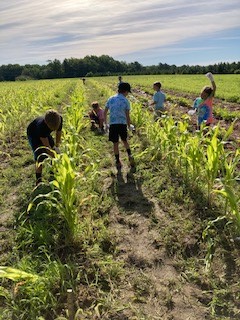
(95, 104)
(52, 119)
(208, 90)
(158, 84)
(123, 87)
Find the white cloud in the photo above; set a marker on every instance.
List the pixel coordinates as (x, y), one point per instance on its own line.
(69, 28)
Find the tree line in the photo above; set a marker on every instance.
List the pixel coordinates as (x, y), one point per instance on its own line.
(102, 66)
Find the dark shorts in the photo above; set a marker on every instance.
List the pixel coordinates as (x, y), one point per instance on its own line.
(116, 131)
(40, 153)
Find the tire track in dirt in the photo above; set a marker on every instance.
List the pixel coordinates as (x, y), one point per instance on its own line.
(151, 288)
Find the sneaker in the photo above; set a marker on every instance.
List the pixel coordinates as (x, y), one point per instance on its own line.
(131, 161)
(118, 165)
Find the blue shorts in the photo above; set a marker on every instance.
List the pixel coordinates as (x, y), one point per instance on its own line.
(39, 152)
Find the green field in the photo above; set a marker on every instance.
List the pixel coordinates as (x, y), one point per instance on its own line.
(157, 242)
(228, 86)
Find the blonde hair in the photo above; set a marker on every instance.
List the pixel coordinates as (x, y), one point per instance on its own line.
(52, 119)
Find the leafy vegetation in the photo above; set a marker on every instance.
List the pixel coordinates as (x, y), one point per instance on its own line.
(130, 245)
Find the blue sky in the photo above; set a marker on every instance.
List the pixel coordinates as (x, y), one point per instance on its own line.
(174, 32)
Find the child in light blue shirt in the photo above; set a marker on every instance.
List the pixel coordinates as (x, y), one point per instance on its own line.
(159, 98)
(119, 108)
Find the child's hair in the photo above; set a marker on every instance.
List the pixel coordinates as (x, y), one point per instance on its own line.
(95, 104)
(124, 87)
(52, 119)
(158, 84)
(207, 89)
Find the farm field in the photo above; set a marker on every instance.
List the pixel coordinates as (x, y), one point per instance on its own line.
(158, 242)
(227, 85)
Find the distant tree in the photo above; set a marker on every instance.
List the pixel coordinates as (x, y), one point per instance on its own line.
(10, 72)
(104, 65)
(32, 71)
(54, 69)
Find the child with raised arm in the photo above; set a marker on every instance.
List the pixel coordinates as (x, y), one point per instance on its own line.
(119, 108)
(40, 139)
(203, 105)
(159, 98)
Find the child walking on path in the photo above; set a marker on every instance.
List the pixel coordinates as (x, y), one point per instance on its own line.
(204, 104)
(159, 98)
(119, 108)
(40, 139)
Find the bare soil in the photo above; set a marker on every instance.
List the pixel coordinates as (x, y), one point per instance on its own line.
(152, 286)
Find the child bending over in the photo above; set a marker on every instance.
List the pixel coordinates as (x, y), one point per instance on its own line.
(40, 139)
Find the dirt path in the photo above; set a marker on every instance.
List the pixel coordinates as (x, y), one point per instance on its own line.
(152, 288)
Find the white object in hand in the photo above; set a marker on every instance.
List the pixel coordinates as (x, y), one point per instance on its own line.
(209, 75)
(131, 127)
(192, 112)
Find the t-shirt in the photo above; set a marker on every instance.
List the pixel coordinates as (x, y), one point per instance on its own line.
(100, 114)
(38, 129)
(118, 105)
(97, 115)
(159, 98)
(204, 110)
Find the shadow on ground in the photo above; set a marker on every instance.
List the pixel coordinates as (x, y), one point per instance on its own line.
(128, 193)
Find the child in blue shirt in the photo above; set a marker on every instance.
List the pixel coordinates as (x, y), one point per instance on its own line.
(159, 98)
(119, 108)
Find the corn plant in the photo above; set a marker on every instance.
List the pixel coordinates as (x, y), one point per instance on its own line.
(214, 151)
(65, 183)
(229, 190)
(16, 274)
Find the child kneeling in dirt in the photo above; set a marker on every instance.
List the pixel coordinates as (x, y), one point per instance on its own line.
(203, 105)
(97, 117)
(40, 139)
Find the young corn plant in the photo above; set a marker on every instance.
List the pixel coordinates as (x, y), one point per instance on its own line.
(193, 154)
(214, 152)
(229, 188)
(65, 184)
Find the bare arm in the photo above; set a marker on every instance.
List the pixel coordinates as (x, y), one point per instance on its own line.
(209, 75)
(128, 118)
(105, 115)
(46, 143)
(214, 87)
(58, 138)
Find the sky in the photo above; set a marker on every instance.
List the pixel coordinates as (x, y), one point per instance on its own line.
(150, 32)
